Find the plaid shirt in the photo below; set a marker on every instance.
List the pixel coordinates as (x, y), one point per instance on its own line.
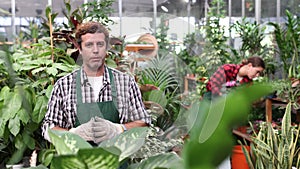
(62, 103)
(225, 73)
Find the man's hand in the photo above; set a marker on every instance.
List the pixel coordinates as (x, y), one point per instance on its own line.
(104, 130)
(85, 130)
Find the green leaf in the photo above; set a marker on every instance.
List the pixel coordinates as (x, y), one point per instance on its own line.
(2, 127)
(28, 140)
(27, 97)
(4, 93)
(44, 61)
(48, 11)
(159, 97)
(40, 108)
(12, 103)
(46, 156)
(52, 71)
(18, 141)
(17, 155)
(49, 90)
(168, 160)
(14, 125)
(211, 135)
(23, 115)
(39, 69)
(28, 67)
(128, 142)
(68, 6)
(95, 158)
(41, 82)
(66, 142)
(61, 66)
(286, 121)
(111, 63)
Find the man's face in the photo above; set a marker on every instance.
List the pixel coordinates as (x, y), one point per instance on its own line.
(93, 50)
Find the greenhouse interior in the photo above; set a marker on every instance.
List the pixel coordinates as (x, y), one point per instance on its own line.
(123, 84)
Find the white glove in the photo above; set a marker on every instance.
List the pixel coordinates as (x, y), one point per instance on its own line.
(104, 130)
(85, 130)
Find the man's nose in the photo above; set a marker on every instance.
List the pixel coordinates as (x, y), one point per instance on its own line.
(95, 48)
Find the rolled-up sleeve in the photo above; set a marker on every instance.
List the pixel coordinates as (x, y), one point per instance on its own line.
(137, 109)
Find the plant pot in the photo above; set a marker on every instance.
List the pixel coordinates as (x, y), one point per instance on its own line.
(238, 158)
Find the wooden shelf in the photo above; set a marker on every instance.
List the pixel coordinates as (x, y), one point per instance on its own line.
(139, 47)
(6, 43)
(276, 102)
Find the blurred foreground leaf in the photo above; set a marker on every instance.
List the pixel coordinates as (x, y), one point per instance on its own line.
(211, 138)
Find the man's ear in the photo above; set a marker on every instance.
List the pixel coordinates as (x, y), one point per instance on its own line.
(250, 64)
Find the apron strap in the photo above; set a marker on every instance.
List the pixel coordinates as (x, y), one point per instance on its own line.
(79, 92)
(78, 87)
(113, 87)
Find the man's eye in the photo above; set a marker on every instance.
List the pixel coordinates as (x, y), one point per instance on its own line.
(89, 45)
(100, 44)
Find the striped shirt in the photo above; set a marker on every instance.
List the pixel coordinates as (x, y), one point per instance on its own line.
(61, 110)
(225, 73)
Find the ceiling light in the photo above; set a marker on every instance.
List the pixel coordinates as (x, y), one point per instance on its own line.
(165, 9)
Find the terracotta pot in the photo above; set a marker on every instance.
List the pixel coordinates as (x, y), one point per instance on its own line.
(238, 158)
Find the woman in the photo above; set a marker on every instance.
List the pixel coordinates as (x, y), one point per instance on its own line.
(232, 75)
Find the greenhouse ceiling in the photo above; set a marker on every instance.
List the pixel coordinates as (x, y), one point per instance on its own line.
(32, 8)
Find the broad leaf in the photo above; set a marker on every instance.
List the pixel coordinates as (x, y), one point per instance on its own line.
(52, 71)
(159, 97)
(39, 69)
(13, 104)
(19, 143)
(23, 115)
(17, 155)
(14, 125)
(46, 156)
(27, 67)
(40, 108)
(61, 66)
(2, 127)
(211, 133)
(28, 140)
(168, 160)
(96, 158)
(42, 82)
(66, 142)
(49, 90)
(4, 93)
(128, 142)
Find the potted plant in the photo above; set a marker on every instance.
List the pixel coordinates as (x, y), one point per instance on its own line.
(288, 44)
(27, 78)
(276, 147)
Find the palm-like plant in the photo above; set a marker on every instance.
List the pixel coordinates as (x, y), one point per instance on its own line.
(162, 73)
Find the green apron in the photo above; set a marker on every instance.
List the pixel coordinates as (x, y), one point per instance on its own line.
(106, 110)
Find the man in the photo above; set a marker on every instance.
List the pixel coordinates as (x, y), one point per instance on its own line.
(95, 102)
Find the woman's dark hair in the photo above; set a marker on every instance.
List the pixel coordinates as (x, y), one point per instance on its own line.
(91, 27)
(255, 61)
